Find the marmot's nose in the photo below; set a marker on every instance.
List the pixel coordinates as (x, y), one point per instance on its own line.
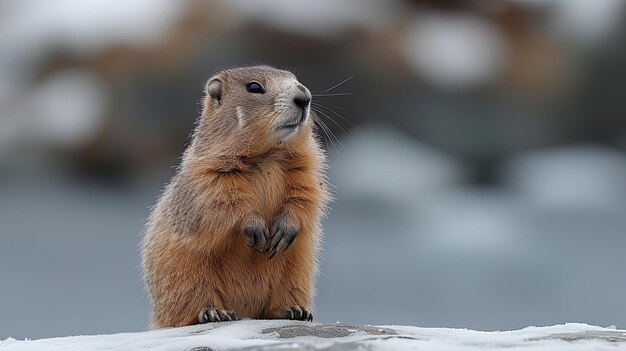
(303, 97)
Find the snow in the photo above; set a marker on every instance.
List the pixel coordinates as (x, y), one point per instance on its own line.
(406, 169)
(265, 335)
(456, 51)
(321, 18)
(581, 20)
(85, 26)
(585, 177)
(67, 109)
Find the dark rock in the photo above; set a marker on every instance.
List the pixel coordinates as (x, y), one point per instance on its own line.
(325, 331)
(610, 336)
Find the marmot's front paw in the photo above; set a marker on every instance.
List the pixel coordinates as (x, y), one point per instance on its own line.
(256, 234)
(296, 313)
(283, 233)
(216, 315)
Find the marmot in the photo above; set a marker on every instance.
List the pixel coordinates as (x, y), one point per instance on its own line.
(236, 232)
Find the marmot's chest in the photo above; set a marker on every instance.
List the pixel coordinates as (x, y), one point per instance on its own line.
(269, 188)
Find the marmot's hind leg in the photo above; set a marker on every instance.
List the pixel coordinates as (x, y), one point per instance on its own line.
(292, 295)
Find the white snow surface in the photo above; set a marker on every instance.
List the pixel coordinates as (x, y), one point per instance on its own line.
(252, 335)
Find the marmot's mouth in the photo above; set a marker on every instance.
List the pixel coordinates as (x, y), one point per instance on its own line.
(297, 123)
(290, 126)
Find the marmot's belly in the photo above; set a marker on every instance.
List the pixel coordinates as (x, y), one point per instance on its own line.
(246, 279)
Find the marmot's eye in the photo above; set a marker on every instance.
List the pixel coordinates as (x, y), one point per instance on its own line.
(255, 87)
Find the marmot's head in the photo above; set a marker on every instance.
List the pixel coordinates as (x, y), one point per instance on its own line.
(257, 107)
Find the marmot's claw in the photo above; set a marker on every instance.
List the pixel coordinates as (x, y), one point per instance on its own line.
(283, 234)
(216, 315)
(297, 313)
(256, 234)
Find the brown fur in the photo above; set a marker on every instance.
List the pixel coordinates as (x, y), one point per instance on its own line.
(194, 252)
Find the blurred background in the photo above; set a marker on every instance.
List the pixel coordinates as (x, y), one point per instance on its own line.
(479, 164)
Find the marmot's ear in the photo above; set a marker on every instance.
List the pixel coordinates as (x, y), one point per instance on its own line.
(214, 90)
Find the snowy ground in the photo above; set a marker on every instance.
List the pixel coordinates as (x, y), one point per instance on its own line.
(289, 335)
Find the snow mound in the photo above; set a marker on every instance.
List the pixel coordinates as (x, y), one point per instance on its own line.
(290, 335)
